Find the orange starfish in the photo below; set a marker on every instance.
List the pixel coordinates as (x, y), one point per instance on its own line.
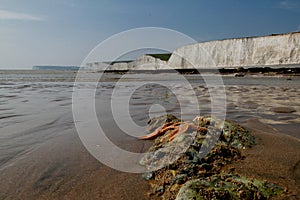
(177, 129)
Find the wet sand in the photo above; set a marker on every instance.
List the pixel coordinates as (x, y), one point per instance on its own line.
(41, 155)
(275, 158)
(61, 168)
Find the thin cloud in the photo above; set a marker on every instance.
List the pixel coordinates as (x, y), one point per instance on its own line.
(9, 15)
(289, 5)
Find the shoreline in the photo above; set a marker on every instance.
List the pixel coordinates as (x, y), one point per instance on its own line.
(238, 71)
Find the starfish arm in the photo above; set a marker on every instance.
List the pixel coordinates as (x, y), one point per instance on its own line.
(169, 134)
(151, 135)
(181, 130)
(159, 131)
(168, 128)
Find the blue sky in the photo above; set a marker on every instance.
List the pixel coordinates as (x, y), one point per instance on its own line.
(63, 32)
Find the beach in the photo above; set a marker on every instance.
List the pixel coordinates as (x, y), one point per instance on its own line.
(42, 156)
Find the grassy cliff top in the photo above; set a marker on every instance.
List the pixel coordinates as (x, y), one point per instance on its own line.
(161, 56)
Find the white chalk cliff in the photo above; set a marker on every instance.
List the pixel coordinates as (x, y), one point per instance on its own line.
(283, 49)
(251, 51)
(144, 62)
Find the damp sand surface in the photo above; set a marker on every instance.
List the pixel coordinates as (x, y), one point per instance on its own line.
(42, 156)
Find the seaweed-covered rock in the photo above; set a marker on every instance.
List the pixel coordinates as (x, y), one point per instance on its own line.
(195, 159)
(193, 146)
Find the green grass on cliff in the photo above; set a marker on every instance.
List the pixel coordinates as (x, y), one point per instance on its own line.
(162, 56)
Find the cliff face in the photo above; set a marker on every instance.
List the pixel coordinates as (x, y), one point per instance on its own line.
(144, 62)
(271, 50)
(252, 51)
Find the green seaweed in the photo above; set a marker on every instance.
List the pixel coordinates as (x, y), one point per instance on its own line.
(227, 186)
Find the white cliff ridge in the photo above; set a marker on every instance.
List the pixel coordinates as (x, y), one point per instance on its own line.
(283, 49)
(251, 51)
(144, 62)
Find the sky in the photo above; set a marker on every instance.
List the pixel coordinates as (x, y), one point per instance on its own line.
(63, 32)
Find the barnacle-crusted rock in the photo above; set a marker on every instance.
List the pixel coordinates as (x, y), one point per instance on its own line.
(195, 159)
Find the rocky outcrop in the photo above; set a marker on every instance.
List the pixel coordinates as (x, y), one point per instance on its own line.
(242, 52)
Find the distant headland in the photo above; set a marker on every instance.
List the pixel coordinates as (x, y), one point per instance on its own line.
(55, 68)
